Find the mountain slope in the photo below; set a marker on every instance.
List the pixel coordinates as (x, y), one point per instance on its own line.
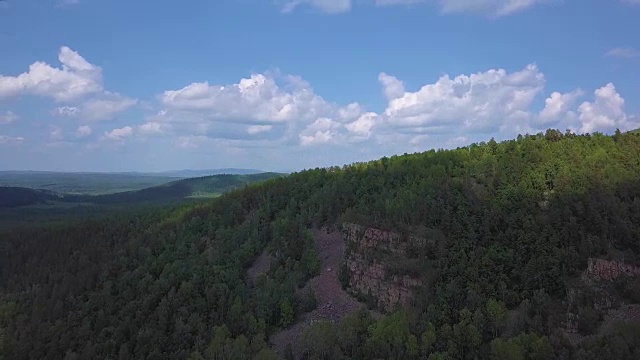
(508, 232)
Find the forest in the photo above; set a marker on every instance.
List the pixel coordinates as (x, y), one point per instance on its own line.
(519, 219)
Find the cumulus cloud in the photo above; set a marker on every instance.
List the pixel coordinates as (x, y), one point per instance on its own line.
(74, 79)
(151, 127)
(257, 99)
(321, 131)
(119, 134)
(8, 117)
(280, 107)
(558, 107)
(104, 106)
(363, 126)
(393, 88)
(10, 140)
(473, 102)
(624, 52)
(287, 111)
(606, 113)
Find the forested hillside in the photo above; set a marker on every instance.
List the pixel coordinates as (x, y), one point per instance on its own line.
(206, 186)
(12, 197)
(518, 222)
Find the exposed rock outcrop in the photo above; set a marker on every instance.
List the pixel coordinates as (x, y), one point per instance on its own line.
(371, 263)
(601, 269)
(333, 302)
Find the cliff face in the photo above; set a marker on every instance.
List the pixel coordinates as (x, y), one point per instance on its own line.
(372, 263)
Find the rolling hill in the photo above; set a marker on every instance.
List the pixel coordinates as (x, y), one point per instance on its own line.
(174, 191)
(13, 197)
(81, 183)
(201, 187)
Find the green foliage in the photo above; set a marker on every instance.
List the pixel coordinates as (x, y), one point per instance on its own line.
(286, 313)
(511, 223)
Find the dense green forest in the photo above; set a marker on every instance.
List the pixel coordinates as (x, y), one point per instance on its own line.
(12, 197)
(519, 219)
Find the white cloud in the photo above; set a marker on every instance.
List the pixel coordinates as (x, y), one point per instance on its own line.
(605, 113)
(320, 137)
(73, 82)
(257, 104)
(491, 7)
(631, 2)
(258, 99)
(327, 6)
(74, 79)
(8, 117)
(151, 128)
(321, 131)
(105, 107)
(83, 131)
(363, 126)
(9, 140)
(494, 8)
(119, 134)
(474, 102)
(393, 88)
(69, 111)
(256, 129)
(557, 107)
(624, 52)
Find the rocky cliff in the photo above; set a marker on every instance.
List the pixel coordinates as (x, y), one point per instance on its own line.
(601, 269)
(372, 262)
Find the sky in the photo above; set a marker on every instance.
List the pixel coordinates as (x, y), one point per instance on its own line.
(283, 85)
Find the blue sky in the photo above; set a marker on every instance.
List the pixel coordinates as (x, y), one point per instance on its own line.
(96, 85)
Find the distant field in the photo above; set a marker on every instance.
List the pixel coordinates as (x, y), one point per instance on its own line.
(82, 183)
(23, 206)
(201, 187)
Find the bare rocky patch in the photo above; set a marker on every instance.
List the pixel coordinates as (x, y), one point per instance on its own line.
(333, 302)
(260, 266)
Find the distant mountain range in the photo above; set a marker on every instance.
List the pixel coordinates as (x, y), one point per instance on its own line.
(189, 173)
(100, 183)
(184, 173)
